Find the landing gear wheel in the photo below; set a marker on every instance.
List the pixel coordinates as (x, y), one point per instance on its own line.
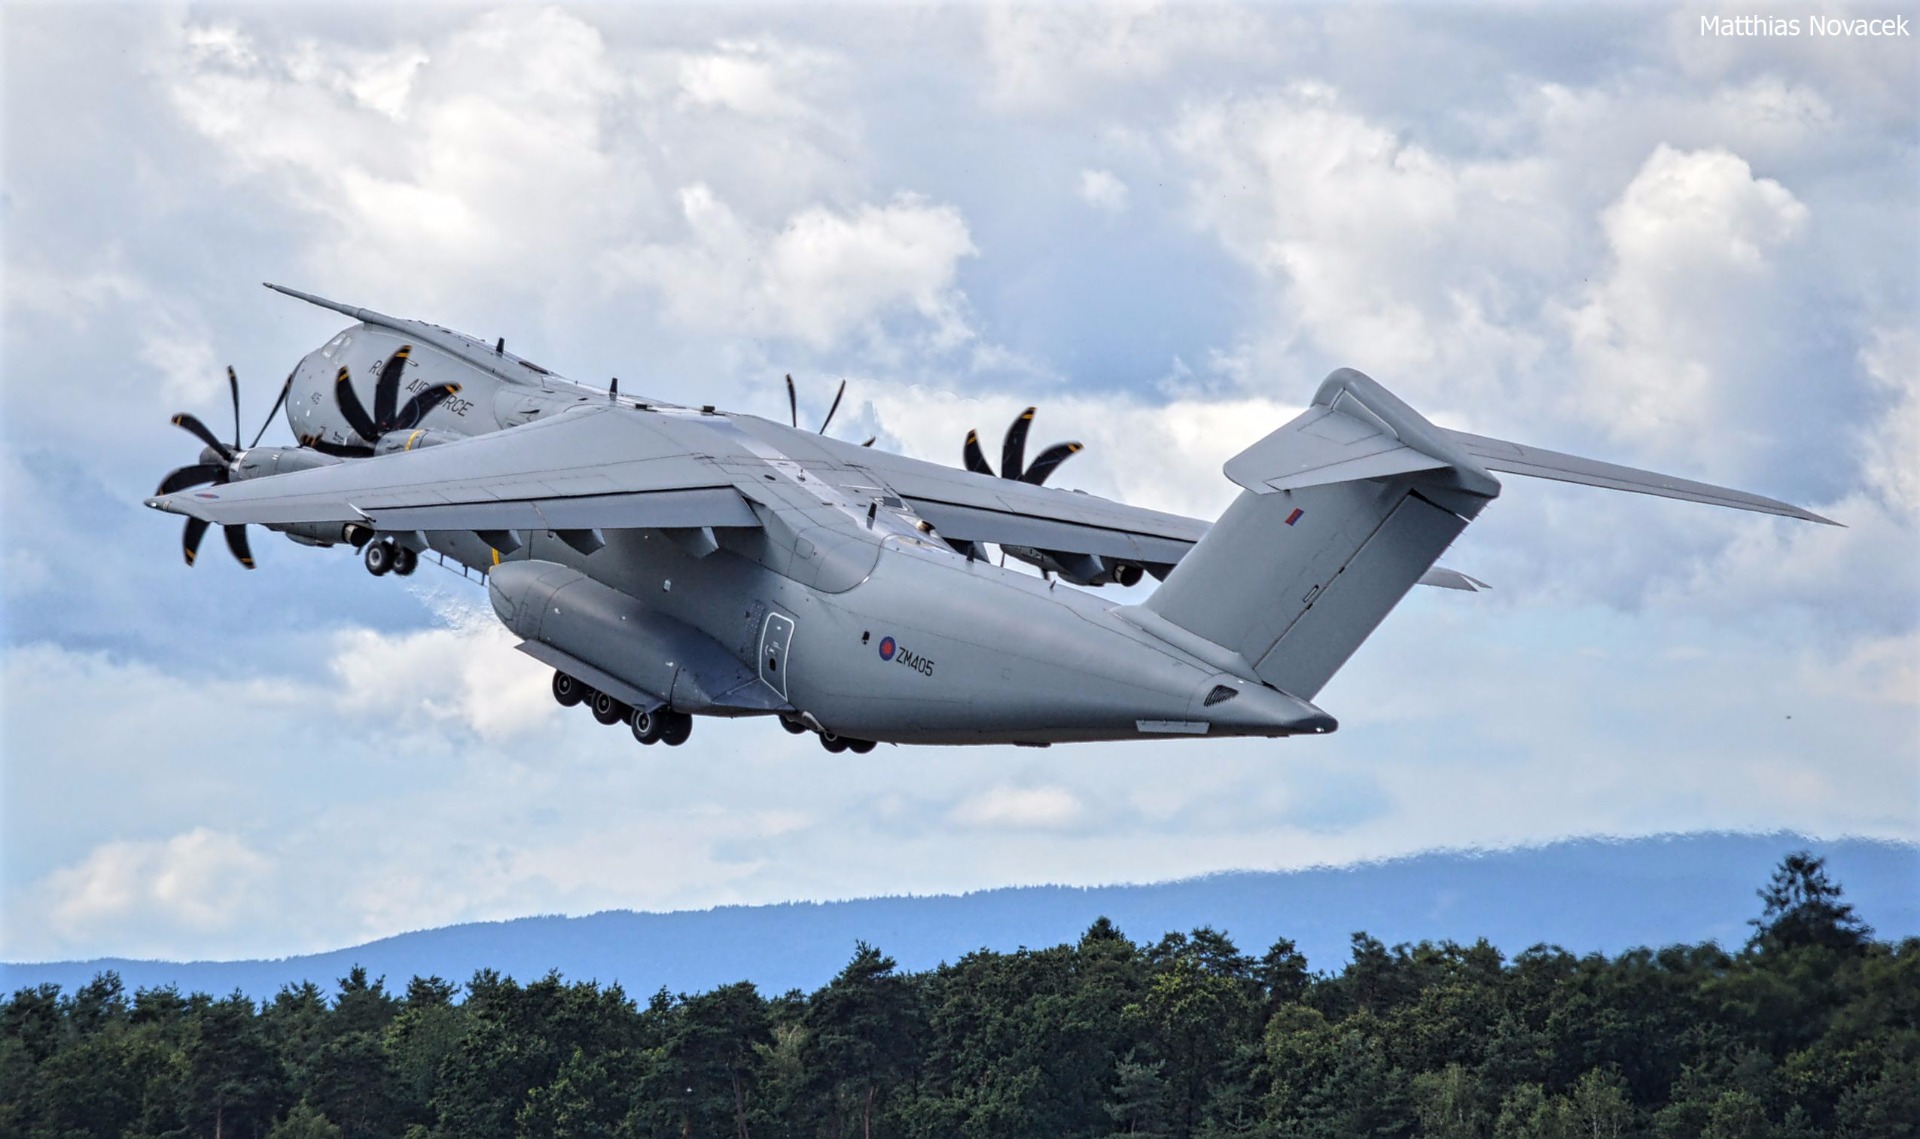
(609, 711)
(648, 727)
(675, 728)
(832, 742)
(859, 747)
(379, 558)
(567, 690)
(794, 727)
(405, 561)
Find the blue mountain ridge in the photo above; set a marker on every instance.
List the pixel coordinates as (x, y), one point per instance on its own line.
(1586, 895)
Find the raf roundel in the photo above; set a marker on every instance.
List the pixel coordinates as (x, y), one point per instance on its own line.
(886, 648)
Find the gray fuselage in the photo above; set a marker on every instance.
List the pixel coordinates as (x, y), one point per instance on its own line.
(841, 604)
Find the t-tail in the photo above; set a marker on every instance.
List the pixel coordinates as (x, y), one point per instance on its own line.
(1343, 510)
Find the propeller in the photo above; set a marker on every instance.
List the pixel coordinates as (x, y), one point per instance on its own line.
(793, 408)
(1013, 453)
(215, 467)
(388, 414)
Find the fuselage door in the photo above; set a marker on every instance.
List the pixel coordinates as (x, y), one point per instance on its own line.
(776, 636)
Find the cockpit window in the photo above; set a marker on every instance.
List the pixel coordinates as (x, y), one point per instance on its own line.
(337, 345)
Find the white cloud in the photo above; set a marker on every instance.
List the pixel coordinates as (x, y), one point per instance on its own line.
(462, 675)
(745, 78)
(1381, 253)
(1020, 808)
(1047, 56)
(1890, 453)
(1103, 191)
(190, 888)
(1691, 243)
(820, 277)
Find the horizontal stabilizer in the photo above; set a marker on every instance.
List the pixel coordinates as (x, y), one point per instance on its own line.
(1537, 462)
(1327, 445)
(1446, 578)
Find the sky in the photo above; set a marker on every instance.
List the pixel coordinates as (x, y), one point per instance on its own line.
(1590, 228)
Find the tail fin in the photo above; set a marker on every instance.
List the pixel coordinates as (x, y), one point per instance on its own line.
(1343, 511)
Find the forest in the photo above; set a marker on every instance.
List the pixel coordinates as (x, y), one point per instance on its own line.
(1812, 1027)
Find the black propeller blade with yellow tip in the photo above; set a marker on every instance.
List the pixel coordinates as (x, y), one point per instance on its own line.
(351, 407)
(793, 407)
(199, 431)
(386, 390)
(1013, 454)
(1049, 460)
(385, 420)
(215, 468)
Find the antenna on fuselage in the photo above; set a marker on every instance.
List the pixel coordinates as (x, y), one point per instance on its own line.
(500, 346)
(613, 389)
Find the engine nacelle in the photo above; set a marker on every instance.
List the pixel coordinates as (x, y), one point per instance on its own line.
(664, 657)
(1080, 569)
(258, 462)
(413, 440)
(324, 533)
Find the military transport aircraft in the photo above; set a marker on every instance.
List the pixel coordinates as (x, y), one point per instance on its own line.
(672, 561)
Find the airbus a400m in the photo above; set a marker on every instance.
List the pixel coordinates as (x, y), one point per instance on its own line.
(670, 562)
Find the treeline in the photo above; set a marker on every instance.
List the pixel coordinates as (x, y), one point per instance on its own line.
(1812, 1028)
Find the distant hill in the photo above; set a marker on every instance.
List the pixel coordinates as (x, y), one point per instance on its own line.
(1586, 895)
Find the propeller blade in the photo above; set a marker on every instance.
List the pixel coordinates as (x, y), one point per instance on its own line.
(1013, 453)
(975, 461)
(183, 477)
(1050, 460)
(233, 385)
(277, 404)
(834, 408)
(418, 407)
(793, 402)
(199, 430)
(343, 394)
(190, 537)
(237, 542)
(386, 391)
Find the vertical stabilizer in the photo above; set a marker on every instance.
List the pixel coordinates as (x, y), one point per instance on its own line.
(1342, 511)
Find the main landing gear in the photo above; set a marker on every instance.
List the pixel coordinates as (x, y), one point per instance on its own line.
(832, 742)
(386, 556)
(661, 725)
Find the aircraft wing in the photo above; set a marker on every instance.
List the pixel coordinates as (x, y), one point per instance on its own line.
(609, 468)
(969, 507)
(581, 470)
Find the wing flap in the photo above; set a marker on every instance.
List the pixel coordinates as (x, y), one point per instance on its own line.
(978, 524)
(633, 510)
